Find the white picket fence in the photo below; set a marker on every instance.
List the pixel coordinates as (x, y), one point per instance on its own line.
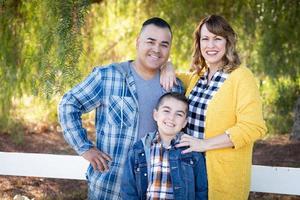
(278, 180)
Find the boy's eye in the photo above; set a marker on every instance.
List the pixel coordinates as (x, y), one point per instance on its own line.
(180, 115)
(150, 42)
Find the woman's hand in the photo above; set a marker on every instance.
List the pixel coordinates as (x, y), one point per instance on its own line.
(167, 76)
(194, 144)
(200, 145)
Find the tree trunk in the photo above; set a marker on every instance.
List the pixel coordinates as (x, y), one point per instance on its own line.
(296, 127)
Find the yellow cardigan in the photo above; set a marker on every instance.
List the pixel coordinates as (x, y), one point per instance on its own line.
(237, 108)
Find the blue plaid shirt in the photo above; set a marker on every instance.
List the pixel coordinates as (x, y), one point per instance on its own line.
(110, 90)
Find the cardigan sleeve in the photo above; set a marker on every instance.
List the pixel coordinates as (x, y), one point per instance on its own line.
(250, 125)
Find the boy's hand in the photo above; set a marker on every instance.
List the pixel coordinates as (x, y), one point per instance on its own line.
(98, 159)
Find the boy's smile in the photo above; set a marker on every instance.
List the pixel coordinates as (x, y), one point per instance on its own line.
(171, 117)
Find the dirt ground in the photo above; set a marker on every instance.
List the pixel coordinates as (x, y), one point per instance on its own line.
(273, 151)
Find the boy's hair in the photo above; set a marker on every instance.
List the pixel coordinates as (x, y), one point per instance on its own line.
(174, 95)
(157, 22)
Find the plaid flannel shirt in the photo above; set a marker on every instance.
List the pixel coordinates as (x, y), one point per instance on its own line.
(112, 92)
(160, 184)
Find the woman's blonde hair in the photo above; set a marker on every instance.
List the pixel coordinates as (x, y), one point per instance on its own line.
(218, 26)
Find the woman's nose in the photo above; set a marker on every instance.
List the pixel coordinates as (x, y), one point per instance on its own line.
(210, 43)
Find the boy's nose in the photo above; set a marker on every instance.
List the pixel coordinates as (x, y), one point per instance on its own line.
(171, 117)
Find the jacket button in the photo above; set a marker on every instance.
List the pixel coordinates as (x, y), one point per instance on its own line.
(191, 162)
(138, 169)
(145, 174)
(143, 154)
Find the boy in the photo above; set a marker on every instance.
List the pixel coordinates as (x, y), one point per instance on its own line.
(155, 168)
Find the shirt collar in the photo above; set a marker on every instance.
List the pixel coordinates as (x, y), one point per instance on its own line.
(174, 141)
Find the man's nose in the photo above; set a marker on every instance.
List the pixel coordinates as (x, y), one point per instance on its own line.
(156, 48)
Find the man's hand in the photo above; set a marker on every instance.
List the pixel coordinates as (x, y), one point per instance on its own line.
(98, 159)
(168, 76)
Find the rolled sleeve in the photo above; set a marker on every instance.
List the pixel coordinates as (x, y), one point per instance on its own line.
(83, 98)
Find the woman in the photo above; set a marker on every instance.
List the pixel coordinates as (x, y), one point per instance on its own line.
(225, 111)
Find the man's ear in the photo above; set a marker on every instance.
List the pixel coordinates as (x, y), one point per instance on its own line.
(137, 41)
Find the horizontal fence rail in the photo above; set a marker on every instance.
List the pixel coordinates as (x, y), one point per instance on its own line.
(278, 180)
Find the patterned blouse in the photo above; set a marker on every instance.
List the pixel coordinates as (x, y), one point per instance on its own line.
(199, 99)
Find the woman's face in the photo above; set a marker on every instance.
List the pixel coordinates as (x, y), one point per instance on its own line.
(213, 47)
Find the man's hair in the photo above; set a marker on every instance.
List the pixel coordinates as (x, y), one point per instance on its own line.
(157, 22)
(174, 95)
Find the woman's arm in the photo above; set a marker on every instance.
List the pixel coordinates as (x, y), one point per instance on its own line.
(202, 145)
(249, 124)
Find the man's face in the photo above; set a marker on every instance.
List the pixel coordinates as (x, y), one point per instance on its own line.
(153, 47)
(171, 117)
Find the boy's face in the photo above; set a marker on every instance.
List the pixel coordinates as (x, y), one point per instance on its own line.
(171, 116)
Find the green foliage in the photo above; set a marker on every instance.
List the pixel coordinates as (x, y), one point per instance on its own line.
(279, 98)
(40, 48)
(48, 46)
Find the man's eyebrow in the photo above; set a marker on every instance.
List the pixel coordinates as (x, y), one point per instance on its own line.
(149, 38)
(164, 42)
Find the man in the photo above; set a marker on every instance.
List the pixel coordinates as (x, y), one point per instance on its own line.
(124, 96)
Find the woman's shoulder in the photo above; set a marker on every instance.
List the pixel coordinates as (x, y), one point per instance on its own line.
(241, 73)
(242, 70)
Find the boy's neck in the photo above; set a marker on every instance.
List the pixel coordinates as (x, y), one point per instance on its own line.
(165, 139)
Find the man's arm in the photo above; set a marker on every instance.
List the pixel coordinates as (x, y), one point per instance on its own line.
(83, 98)
(178, 87)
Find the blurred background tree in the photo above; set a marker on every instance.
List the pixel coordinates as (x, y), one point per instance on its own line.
(48, 46)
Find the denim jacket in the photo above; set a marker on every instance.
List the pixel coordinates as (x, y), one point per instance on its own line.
(188, 172)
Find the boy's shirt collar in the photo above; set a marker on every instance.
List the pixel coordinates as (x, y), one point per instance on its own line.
(173, 142)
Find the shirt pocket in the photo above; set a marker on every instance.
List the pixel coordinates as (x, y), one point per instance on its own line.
(188, 164)
(121, 111)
